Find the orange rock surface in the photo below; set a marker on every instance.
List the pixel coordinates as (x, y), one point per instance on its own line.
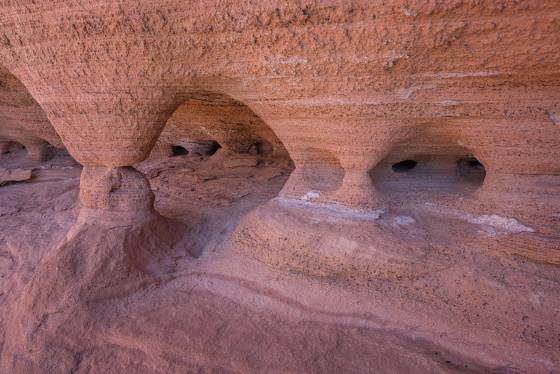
(270, 186)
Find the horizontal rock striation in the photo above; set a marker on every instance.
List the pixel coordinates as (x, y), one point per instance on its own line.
(23, 120)
(404, 152)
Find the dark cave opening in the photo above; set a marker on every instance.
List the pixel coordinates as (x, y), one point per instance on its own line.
(178, 150)
(404, 166)
(213, 147)
(471, 167)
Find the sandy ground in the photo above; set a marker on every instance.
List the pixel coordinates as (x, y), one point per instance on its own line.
(231, 303)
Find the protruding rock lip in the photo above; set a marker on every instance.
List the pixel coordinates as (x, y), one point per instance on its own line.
(328, 240)
(331, 208)
(14, 175)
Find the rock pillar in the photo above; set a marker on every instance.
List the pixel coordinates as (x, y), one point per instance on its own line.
(123, 191)
(37, 149)
(364, 146)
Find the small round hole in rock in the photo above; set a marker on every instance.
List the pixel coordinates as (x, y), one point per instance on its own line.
(14, 147)
(178, 150)
(404, 166)
(213, 148)
(474, 163)
(471, 170)
(470, 166)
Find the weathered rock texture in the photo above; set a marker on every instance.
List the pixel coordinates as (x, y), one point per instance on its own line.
(14, 175)
(208, 122)
(360, 186)
(23, 121)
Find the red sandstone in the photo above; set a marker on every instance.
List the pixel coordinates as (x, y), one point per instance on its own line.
(267, 186)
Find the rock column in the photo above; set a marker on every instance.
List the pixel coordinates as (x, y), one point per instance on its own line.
(123, 191)
(37, 149)
(357, 189)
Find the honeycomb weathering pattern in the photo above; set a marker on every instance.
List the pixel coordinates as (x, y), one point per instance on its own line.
(315, 257)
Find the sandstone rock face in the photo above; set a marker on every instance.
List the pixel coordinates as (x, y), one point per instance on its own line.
(316, 186)
(206, 123)
(23, 120)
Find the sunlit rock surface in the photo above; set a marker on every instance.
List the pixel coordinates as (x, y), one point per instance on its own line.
(267, 186)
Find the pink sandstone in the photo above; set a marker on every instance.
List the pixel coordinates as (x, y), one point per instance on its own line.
(269, 186)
